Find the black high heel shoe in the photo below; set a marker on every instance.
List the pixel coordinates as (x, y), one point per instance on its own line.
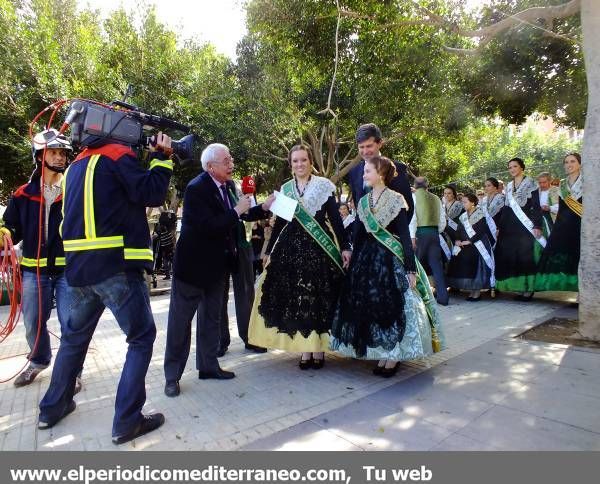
(389, 372)
(318, 363)
(305, 364)
(378, 369)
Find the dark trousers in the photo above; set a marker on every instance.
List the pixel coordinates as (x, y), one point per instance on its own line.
(429, 254)
(186, 300)
(243, 293)
(126, 295)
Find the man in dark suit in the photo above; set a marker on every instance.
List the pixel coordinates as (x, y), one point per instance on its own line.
(369, 141)
(207, 251)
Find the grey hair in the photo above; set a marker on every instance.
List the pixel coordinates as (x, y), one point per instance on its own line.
(545, 174)
(210, 154)
(421, 182)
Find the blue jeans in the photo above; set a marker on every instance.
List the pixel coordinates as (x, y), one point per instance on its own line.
(50, 286)
(126, 295)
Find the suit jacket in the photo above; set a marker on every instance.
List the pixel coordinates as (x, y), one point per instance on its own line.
(399, 184)
(208, 244)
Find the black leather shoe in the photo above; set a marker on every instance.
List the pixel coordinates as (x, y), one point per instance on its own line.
(389, 372)
(305, 364)
(48, 425)
(219, 374)
(256, 349)
(148, 424)
(377, 370)
(318, 363)
(222, 352)
(172, 389)
(473, 299)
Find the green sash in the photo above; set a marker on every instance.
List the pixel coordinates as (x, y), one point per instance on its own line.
(313, 227)
(395, 247)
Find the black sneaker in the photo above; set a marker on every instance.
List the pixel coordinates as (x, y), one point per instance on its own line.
(47, 425)
(147, 425)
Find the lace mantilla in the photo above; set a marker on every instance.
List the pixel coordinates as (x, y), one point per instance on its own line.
(454, 210)
(475, 217)
(387, 209)
(576, 189)
(348, 220)
(494, 205)
(315, 195)
(523, 192)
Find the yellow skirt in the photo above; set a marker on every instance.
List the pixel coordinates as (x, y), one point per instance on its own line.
(260, 335)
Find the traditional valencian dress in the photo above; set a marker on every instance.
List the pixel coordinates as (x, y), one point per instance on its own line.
(473, 267)
(297, 292)
(379, 316)
(517, 250)
(492, 208)
(448, 236)
(557, 269)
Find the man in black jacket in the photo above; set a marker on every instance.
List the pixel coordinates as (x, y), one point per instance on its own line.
(206, 253)
(369, 141)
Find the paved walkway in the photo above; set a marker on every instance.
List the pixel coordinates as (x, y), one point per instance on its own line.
(271, 403)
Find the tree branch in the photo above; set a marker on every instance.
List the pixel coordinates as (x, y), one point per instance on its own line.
(530, 16)
(328, 109)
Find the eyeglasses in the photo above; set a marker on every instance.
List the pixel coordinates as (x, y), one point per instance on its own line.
(228, 160)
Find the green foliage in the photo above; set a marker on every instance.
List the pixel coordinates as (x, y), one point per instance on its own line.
(526, 70)
(50, 51)
(484, 148)
(433, 106)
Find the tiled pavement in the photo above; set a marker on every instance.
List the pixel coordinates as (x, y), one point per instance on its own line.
(271, 397)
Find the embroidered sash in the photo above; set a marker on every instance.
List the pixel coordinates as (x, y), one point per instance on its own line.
(313, 227)
(518, 211)
(487, 257)
(575, 206)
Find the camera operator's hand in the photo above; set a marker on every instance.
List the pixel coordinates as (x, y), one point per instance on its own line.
(163, 143)
(243, 205)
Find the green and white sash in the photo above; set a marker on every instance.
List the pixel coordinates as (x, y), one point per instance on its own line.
(487, 257)
(385, 238)
(524, 219)
(313, 227)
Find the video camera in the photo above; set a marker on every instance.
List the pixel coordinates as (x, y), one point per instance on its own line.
(93, 124)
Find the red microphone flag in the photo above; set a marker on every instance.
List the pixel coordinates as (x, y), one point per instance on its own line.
(248, 186)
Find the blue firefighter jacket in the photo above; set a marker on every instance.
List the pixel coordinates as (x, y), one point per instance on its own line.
(105, 195)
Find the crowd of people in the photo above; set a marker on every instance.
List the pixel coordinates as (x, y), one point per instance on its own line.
(521, 238)
(350, 278)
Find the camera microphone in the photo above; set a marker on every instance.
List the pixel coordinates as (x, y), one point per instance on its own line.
(76, 109)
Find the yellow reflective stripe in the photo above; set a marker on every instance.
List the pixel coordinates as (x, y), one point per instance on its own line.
(164, 163)
(27, 262)
(95, 243)
(138, 254)
(88, 198)
(60, 261)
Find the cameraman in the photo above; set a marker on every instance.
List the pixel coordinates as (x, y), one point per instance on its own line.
(107, 244)
(21, 223)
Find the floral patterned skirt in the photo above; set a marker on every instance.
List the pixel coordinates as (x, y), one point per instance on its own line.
(379, 316)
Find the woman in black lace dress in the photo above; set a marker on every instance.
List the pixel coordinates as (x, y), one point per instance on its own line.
(297, 293)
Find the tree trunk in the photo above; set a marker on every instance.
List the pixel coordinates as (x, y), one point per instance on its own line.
(589, 266)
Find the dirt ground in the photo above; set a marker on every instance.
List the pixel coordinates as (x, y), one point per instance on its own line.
(558, 330)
